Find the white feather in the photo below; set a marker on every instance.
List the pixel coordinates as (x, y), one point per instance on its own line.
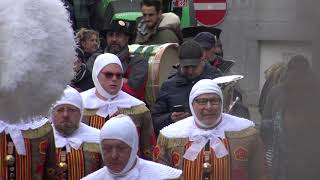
(36, 56)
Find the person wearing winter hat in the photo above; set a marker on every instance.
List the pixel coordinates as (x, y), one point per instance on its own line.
(77, 144)
(211, 141)
(107, 99)
(119, 150)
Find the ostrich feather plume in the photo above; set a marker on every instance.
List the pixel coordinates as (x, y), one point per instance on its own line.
(36, 55)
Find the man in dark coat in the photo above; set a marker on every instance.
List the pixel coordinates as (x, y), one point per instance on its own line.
(175, 91)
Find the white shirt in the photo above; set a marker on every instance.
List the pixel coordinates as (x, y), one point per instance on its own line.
(146, 170)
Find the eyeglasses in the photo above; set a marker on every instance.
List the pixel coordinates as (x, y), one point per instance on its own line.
(110, 75)
(67, 109)
(204, 101)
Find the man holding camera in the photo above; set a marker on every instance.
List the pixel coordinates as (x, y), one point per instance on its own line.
(172, 103)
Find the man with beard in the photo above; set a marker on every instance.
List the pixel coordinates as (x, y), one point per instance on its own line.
(107, 99)
(175, 91)
(77, 144)
(155, 27)
(135, 68)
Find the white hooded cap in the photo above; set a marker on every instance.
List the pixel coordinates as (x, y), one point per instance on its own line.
(100, 62)
(202, 87)
(72, 97)
(122, 128)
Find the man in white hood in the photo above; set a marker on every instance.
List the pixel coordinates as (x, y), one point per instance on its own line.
(211, 144)
(77, 144)
(119, 147)
(107, 99)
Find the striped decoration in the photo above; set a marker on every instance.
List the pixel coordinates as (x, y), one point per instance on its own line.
(221, 167)
(75, 162)
(96, 121)
(3, 153)
(23, 163)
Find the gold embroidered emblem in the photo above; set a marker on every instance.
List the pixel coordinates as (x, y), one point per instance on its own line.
(43, 146)
(175, 159)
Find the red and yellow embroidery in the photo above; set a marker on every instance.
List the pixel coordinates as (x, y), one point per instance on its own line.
(3, 153)
(96, 121)
(241, 154)
(75, 163)
(221, 167)
(156, 153)
(23, 163)
(175, 159)
(43, 146)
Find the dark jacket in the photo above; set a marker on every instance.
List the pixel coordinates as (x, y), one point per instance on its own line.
(83, 80)
(175, 91)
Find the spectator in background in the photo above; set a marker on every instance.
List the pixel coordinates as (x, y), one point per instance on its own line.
(155, 27)
(82, 79)
(212, 51)
(88, 41)
(207, 43)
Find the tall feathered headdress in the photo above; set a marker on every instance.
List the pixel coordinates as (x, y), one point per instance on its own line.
(36, 55)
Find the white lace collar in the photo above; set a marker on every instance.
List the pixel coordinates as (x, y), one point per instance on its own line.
(85, 133)
(15, 131)
(105, 108)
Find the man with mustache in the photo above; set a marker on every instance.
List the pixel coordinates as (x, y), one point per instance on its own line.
(77, 144)
(211, 144)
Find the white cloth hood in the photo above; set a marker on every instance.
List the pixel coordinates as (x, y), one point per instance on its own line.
(202, 87)
(84, 134)
(122, 128)
(72, 97)
(100, 62)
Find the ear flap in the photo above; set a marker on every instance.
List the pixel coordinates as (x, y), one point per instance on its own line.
(36, 56)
